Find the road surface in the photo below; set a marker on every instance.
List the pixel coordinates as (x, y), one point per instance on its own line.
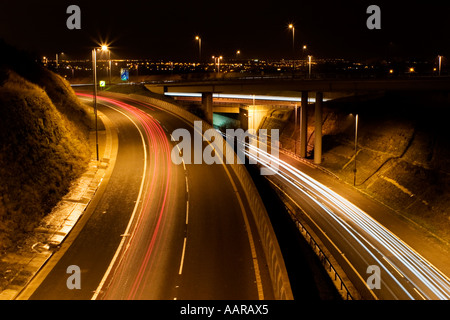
(357, 241)
(156, 230)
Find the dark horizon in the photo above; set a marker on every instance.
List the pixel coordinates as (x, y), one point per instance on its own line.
(167, 31)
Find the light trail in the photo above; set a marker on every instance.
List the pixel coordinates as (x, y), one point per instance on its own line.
(425, 279)
(150, 219)
(242, 96)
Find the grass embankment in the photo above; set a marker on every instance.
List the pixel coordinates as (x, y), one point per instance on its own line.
(44, 133)
(403, 157)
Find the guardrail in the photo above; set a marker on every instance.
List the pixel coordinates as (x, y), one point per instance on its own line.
(331, 270)
(272, 251)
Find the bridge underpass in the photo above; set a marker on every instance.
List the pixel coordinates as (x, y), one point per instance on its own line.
(252, 111)
(301, 92)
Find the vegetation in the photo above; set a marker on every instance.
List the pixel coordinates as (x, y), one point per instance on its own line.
(44, 133)
(403, 157)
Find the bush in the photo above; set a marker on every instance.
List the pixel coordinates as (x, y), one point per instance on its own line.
(43, 148)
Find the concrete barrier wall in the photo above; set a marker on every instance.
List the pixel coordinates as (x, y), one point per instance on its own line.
(274, 257)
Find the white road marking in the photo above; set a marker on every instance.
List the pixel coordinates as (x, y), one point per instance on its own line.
(182, 257)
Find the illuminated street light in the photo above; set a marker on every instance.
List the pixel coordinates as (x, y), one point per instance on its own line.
(105, 48)
(94, 70)
(440, 62)
(291, 26)
(217, 62)
(356, 148)
(309, 62)
(57, 59)
(199, 47)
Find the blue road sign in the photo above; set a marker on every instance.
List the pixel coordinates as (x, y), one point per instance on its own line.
(124, 74)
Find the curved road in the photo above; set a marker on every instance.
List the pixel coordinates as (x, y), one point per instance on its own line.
(156, 230)
(357, 241)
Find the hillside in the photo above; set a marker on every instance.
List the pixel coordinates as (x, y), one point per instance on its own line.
(44, 133)
(403, 157)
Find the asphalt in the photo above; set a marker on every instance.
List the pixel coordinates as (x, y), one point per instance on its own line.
(419, 239)
(217, 261)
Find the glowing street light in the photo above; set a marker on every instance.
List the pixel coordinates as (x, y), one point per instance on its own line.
(309, 62)
(94, 70)
(356, 148)
(105, 48)
(291, 26)
(217, 62)
(57, 59)
(440, 63)
(199, 47)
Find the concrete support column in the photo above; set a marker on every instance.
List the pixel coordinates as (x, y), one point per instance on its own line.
(243, 118)
(304, 124)
(207, 106)
(318, 128)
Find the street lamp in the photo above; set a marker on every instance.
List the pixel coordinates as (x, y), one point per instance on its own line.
(440, 63)
(356, 149)
(309, 62)
(105, 48)
(57, 59)
(199, 47)
(217, 62)
(94, 70)
(291, 26)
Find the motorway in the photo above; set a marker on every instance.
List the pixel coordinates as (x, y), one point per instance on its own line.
(355, 239)
(156, 230)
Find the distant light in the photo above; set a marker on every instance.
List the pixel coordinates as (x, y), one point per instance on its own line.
(411, 69)
(304, 47)
(291, 26)
(391, 71)
(104, 47)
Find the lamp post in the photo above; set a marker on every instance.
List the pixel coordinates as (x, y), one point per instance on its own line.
(309, 62)
(94, 70)
(356, 149)
(217, 62)
(105, 48)
(291, 26)
(295, 131)
(57, 60)
(199, 47)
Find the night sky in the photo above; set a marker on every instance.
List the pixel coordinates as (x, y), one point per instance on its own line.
(167, 29)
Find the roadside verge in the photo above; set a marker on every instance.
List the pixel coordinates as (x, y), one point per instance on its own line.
(23, 265)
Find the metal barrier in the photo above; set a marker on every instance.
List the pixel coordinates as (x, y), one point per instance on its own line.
(335, 277)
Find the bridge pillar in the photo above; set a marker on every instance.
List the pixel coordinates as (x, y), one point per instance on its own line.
(318, 128)
(304, 124)
(243, 118)
(207, 106)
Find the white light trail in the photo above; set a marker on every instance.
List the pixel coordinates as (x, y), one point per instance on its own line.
(423, 276)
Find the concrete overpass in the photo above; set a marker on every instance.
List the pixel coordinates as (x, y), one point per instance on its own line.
(316, 88)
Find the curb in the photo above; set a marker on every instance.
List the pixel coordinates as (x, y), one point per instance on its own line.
(55, 227)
